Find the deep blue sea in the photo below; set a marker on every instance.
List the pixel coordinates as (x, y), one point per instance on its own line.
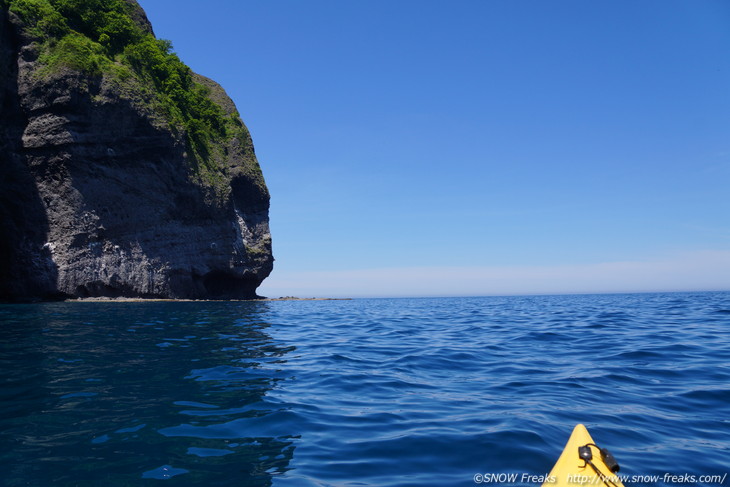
(367, 392)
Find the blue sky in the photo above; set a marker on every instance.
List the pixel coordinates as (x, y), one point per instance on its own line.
(479, 147)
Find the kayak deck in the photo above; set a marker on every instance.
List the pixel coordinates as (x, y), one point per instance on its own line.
(571, 470)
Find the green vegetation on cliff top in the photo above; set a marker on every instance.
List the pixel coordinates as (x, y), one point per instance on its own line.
(101, 37)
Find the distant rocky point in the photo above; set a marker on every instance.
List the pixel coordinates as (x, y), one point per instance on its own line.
(122, 172)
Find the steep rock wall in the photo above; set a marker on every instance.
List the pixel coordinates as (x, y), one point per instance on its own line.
(100, 195)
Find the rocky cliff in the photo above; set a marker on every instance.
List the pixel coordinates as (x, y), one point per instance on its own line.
(122, 173)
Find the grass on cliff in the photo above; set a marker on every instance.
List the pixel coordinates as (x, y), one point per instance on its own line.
(100, 37)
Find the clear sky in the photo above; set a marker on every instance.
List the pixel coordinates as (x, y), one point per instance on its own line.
(471, 147)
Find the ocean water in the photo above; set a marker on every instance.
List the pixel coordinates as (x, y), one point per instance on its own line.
(368, 392)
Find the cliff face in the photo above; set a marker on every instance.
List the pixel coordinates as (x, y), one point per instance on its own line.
(107, 190)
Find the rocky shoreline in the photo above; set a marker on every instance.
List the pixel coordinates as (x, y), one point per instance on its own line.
(104, 299)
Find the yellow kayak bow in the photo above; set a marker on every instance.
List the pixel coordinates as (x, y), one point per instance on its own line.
(583, 463)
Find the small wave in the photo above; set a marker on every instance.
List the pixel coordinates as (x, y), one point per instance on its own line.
(164, 472)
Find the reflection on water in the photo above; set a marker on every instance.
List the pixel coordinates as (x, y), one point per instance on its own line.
(114, 393)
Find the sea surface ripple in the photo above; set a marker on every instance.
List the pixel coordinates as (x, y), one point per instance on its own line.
(369, 392)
